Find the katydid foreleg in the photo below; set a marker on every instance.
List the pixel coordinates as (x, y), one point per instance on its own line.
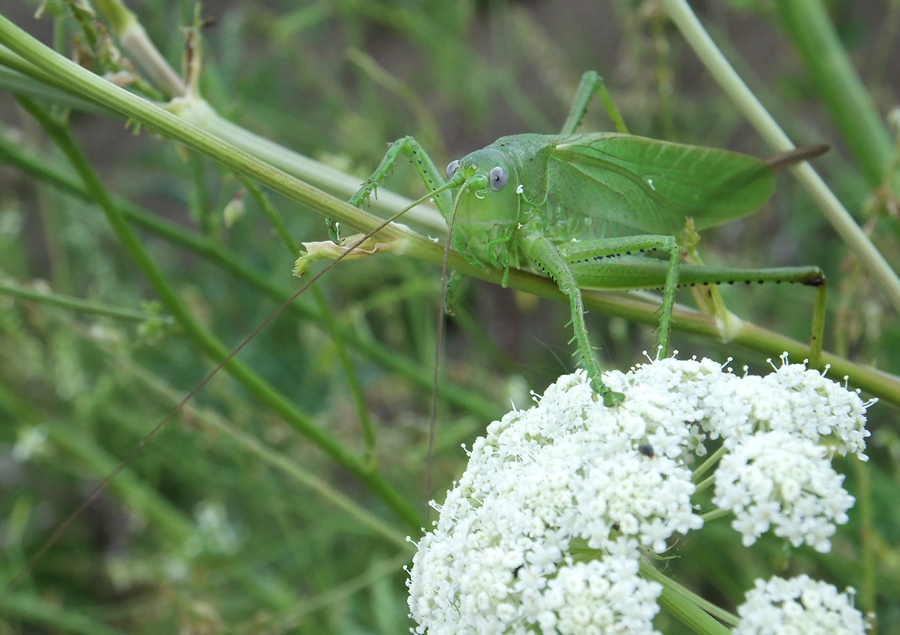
(431, 176)
(423, 164)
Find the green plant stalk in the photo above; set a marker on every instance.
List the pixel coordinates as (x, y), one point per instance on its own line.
(87, 85)
(688, 607)
(205, 340)
(714, 514)
(126, 25)
(705, 484)
(200, 113)
(16, 82)
(134, 39)
(708, 464)
(230, 261)
(867, 533)
(807, 25)
(750, 336)
(77, 304)
(749, 105)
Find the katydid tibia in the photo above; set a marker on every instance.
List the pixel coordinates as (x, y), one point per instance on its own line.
(586, 208)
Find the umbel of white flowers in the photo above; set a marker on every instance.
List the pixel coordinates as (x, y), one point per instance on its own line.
(545, 529)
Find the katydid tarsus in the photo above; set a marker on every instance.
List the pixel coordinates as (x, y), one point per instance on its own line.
(586, 208)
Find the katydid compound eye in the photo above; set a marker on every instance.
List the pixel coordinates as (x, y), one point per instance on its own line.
(452, 167)
(499, 177)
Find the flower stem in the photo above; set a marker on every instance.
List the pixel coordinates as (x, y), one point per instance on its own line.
(686, 606)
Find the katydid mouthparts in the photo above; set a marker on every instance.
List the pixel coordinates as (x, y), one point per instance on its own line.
(586, 208)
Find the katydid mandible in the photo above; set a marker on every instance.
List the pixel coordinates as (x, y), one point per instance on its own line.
(586, 208)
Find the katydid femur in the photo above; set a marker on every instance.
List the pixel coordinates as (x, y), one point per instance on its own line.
(585, 209)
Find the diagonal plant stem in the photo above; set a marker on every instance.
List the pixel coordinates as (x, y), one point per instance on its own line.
(749, 105)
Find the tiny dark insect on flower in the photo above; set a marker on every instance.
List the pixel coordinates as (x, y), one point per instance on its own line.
(647, 450)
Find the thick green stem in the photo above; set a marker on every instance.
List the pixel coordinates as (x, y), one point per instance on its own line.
(146, 113)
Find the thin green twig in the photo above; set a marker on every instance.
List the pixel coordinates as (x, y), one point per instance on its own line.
(82, 306)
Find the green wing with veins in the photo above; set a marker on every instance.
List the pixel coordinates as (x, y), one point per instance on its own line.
(617, 185)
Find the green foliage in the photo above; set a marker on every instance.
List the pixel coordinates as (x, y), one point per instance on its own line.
(237, 518)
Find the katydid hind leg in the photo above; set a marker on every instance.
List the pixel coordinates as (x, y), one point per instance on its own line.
(594, 268)
(592, 83)
(808, 276)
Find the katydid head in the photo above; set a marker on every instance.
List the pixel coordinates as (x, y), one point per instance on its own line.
(486, 208)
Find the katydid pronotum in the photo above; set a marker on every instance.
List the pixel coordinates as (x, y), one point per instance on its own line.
(586, 208)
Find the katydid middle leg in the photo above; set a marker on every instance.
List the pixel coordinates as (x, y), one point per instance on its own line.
(592, 83)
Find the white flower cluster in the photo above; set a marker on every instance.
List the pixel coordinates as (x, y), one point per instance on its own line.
(798, 606)
(773, 478)
(544, 530)
(793, 399)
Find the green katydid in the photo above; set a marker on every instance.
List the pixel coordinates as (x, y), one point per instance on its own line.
(586, 207)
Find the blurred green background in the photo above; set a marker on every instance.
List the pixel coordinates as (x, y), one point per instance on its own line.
(211, 529)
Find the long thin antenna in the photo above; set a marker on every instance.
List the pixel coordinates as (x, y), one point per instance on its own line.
(439, 337)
